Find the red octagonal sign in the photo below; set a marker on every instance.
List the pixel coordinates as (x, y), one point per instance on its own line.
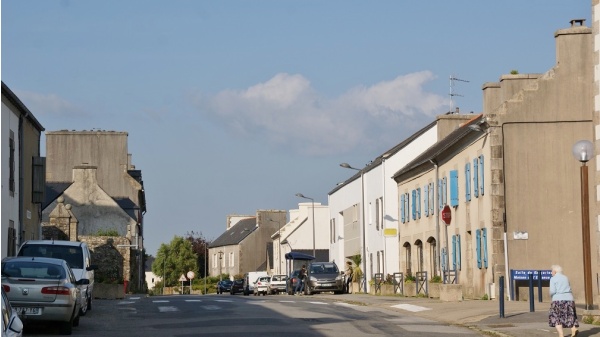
(446, 214)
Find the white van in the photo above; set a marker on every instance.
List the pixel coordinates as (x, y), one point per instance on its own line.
(250, 278)
(77, 255)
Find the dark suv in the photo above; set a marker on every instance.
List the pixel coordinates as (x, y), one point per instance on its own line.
(237, 287)
(324, 277)
(224, 286)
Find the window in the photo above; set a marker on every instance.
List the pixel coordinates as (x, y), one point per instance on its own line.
(414, 204)
(456, 252)
(481, 174)
(231, 260)
(419, 245)
(468, 181)
(402, 208)
(454, 188)
(431, 198)
(331, 231)
(11, 164)
(418, 201)
(38, 186)
(378, 213)
(406, 206)
(481, 250)
(11, 250)
(408, 261)
(215, 260)
(426, 199)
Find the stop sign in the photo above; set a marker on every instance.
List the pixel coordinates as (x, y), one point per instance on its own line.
(446, 214)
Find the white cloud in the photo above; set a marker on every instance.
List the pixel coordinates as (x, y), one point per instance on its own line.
(287, 111)
(49, 104)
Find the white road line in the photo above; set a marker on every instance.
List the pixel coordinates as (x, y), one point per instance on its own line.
(343, 304)
(125, 302)
(410, 307)
(318, 302)
(167, 309)
(287, 301)
(134, 298)
(211, 307)
(160, 301)
(226, 301)
(193, 300)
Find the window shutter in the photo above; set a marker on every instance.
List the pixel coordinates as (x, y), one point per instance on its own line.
(458, 252)
(426, 199)
(407, 208)
(419, 203)
(402, 208)
(443, 258)
(38, 187)
(478, 248)
(432, 199)
(445, 190)
(454, 188)
(468, 181)
(439, 194)
(485, 250)
(475, 176)
(453, 252)
(481, 170)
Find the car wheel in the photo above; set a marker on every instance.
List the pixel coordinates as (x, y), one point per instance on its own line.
(83, 310)
(89, 303)
(66, 328)
(76, 321)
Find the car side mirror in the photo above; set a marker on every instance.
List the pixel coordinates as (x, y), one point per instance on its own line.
(92, 267)
(15, 325)
(83, 281)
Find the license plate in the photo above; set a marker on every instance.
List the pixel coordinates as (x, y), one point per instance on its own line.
(29, 311)
(327, 284)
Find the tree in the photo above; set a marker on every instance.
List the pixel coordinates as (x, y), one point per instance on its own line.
(174, 259)
(200, 247)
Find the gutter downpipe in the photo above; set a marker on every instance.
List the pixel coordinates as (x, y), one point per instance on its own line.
(437, 219)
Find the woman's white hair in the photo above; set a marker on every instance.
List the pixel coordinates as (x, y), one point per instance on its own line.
(556, 268)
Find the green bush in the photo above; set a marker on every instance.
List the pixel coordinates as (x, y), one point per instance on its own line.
(436, 279)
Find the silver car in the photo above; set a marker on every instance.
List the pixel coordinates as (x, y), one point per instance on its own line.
(43, 289)
(11, 323)
(324, 277)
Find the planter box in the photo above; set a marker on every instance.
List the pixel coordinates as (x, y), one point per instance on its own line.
(434, 290)
(410, 289)
(451, 292)
(109, 291)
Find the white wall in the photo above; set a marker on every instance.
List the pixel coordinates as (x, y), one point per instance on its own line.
(10, 204)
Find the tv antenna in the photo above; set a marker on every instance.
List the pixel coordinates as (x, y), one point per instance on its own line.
(452, 93)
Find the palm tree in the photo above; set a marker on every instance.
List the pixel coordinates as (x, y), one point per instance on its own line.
(356, 271)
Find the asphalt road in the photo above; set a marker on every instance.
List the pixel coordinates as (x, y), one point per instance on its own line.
(248, 316)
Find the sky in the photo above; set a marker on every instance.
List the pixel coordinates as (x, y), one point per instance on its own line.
(235, 106)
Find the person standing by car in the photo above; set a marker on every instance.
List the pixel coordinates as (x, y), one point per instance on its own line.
(348, 280)
(301, 280)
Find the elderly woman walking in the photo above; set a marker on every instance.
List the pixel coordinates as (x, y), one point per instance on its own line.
(562, 310)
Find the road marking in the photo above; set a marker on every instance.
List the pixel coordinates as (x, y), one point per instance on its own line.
(343, 304)
(134, 298)
(410, 307)
(167, 309)
(160, 301)
(193, 300)
(318, 302)
(125, 302)
(226, 301)
(287, 301)
(211, 307)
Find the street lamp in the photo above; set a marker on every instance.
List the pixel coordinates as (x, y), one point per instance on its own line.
(220, 265)
(362, 202)
(300, 195)
(583, 151)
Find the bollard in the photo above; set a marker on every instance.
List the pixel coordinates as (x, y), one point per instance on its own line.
(531, 302)
(540, 286)
(501, 295)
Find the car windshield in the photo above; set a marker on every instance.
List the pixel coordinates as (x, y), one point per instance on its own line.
(323, 268)
(73, 255)
(35, 270)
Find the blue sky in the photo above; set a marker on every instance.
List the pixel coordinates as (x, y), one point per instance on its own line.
(234, 106)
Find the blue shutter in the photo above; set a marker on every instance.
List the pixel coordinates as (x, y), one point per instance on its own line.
(414, 204)
(481, 170)
(485, 250)
(426, 199)
(454, 188)
(468, 181)
(475, 176)
(453, 252)
(407, 209)
(402, 208)
(432, 199)
(419, 203)
(478, 248)
(443, 258)
(458, 248)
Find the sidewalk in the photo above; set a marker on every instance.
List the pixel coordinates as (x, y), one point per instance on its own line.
(479, 315)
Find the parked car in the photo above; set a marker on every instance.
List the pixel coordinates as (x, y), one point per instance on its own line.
(43, 289)
(224, 286)
(277, 284)
(324, 277)
(237, 287)
(77, 254)
(292, 281)
(261, 286)
(12, 326)
(249, 280)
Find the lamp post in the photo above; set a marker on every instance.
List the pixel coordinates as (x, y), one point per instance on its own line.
(220, 265)
(300, 195)
(364, 232)
(164, 273)
(583, 151)
(205, 263)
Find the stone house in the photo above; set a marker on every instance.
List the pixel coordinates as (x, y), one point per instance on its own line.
(23, 174)
(95, 195)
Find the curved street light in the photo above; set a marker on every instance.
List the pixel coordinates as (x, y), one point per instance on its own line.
(583, 150)
(300, 195)
(364, 232)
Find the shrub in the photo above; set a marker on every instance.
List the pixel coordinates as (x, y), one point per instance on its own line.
(436, 279)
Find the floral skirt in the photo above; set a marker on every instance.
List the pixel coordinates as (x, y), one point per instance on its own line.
(563, 313)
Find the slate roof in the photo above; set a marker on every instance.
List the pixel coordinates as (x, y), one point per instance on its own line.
(236, 234)
(54, 190)
(437, 152)
(389, 152)
(128, 206)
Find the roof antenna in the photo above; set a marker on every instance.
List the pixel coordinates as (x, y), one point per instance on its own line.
(452, 93)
